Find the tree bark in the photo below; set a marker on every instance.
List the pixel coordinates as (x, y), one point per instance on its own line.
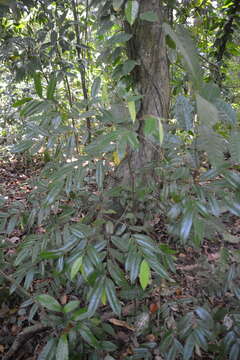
(151, 78)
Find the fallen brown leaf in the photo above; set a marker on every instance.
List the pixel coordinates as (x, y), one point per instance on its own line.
(121, 323)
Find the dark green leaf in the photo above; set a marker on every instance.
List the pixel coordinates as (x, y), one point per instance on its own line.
(37, 83)
(62, 352)
(112, 297)
(149, 16)
(49, 302)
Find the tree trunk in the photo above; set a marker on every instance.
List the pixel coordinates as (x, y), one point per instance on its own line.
(151, 78)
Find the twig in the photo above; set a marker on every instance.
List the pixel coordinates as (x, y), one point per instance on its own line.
(23, 337)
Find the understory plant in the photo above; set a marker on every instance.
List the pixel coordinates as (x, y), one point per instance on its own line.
(91, 242)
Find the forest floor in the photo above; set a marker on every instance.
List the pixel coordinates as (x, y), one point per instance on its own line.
(197, 271)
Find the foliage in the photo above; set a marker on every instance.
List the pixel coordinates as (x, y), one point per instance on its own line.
(95, 241)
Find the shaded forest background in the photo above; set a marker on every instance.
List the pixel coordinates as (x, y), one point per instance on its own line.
(119, 179)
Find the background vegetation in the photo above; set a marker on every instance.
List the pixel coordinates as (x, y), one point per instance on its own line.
(120, 120)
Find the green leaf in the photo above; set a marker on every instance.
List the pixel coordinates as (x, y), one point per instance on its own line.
(131, 11)
(100, 174)
(133, 262)
(185, 44)
(48, 348)
(88, 336)
(111, 296)
(56, 188)
(160, 131)
(76, 267)
(128, 66)
(186, 225)
(149, 16)
(188, 348)
(72, 305)
(117, 4)
(132, 110)
(146, 242)
(144, 274)
(37, 83)
(119, 37)
(183, 112)
(51, 87)
(207, 112)
(95, 297)
(96, 87)
(21, 102)
(49, 302)
(62, 352)
(150, 124)
(23, 146)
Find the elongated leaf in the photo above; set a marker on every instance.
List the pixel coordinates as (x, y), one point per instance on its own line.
(183, 112)
(112, 297)
(76, 267)
(188, 348)
(186, 225)
(119, 37)
(144, 274)
(23, 146)
(207, 112)
(49, 302)
(100, 174)
(186, 46)
(132, 110)
(128, 66)
(88, 336)
(22, 101)
(96, 87)
(37, 83)
(48, 348)
(62, 352)
(72, 305)
(160, 131)
(51, 87)
(95, 298)
(131, 11)
(134, 265)
(54, 192)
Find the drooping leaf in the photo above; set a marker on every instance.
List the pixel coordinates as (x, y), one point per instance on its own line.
(48, 348)
(128, 66)
(22, 101)
(188, 347)
(160, 131)
(112, 297)
(76, 267)
(37, 83)
(187, 49)
(49, 302)
(62, 352)
(72, 305)
(131, 11)
(207, 112)
(100, 174)
(132, 110)
(144, 274)
(51, 87)
(149, 16)
(95, 298)
(117, 4)
(88, 336)
(183, 112)
(23, 146)
(96, 87)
